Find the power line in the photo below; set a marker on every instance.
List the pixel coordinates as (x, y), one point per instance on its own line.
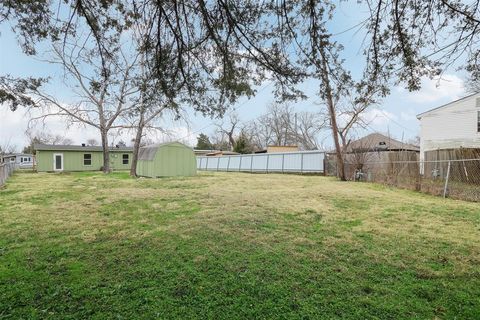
(394, 121)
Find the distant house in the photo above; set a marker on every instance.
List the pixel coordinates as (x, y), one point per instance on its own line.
(452, 127)
(199, 152)
(221, 153)
(372, 154)
(52, 158)
(276, 149)
(20, 160)
(376, 142)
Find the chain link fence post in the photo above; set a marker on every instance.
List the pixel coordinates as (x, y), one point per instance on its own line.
(446, 180)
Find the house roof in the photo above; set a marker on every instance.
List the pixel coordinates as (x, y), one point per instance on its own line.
(419, 116)
(8, 155)
(222, 152)
(59, 147)
(148, 152)
(379, 142)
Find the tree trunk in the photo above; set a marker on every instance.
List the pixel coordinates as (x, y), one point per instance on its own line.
(333, 117)
(338, 149)
(231, 140)
(136, 147)
(106, 151)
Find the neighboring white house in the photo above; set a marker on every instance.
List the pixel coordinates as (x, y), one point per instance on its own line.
(451, 126)
(21, 160)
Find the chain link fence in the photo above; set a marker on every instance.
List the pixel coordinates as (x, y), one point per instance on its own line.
(457, 179)
(6, 169)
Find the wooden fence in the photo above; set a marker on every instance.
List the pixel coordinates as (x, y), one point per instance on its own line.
(6, 170)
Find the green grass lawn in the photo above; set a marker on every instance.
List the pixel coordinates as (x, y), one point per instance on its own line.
(233, 246)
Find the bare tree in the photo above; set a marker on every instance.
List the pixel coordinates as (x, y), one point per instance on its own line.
(100, 99)
(6, 147)
(282, 125)
(228, 128)
(351, 114)
(44, 137)
(92, 142)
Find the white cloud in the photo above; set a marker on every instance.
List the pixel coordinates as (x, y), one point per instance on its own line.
(448, 87)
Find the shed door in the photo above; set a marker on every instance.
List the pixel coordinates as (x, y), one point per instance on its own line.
(58, 162)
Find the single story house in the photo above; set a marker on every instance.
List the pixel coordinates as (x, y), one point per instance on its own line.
(200, 152)
(373, 155)
(377, 142)
(52, 158)
(278, 149)
(451, 130)
(166, 160)
(20, 160)
(221, 153)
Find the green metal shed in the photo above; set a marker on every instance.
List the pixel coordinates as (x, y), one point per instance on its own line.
(166, 160)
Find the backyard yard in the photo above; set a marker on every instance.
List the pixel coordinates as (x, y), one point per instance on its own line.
(233, 246)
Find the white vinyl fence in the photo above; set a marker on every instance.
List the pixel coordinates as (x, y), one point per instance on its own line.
(301, 161)
(6, 170)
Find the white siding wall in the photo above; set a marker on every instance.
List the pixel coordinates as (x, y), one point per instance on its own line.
(452, 126)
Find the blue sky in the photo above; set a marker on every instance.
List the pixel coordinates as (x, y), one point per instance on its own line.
(395, 115)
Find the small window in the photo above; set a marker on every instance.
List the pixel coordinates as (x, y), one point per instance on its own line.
(87, 159)
(125, 158)
(12, 159)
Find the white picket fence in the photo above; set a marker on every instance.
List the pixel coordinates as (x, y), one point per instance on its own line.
(6, 169)
(300, 161)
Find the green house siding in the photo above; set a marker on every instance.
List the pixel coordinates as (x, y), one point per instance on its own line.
(73, 160)
(172, 159)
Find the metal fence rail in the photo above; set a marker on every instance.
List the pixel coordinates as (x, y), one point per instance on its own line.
(6, 170)
(301, 161)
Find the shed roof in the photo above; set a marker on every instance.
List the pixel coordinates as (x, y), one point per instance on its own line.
(379, 142)
(148, 152)
(59, 147)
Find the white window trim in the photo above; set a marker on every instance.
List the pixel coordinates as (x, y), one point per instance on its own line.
(55, 163)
